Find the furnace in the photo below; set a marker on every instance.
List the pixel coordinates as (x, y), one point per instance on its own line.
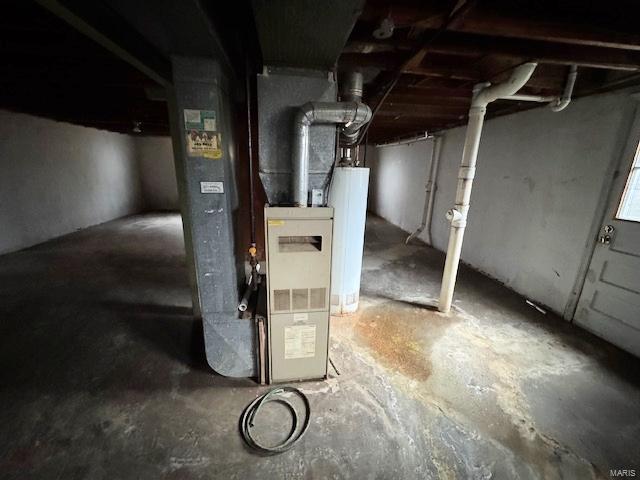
(298, 252)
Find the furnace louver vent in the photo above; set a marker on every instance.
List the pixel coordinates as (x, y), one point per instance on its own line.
(281, 300)
(317, 298)
(300, 299)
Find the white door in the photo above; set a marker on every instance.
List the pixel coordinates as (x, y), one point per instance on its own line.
(609, 304)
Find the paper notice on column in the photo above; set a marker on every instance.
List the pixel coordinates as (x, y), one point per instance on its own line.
(299, 341)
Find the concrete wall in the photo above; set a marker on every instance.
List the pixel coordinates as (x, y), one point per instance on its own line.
(157, 172)
(535, 194)
(56, 178)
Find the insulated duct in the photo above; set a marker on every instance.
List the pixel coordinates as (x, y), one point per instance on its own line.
(352, 115)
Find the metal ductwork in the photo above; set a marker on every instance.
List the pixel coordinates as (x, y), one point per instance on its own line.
(304, 33)
(352, 115)
(352, 92)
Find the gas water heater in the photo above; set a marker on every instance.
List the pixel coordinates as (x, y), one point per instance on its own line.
(298, 252)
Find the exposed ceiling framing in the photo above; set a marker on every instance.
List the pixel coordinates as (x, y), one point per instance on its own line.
(435, 59)
(105, 63)
(54, 65)
(50, 69)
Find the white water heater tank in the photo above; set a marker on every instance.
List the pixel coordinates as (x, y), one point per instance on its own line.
(348, 197)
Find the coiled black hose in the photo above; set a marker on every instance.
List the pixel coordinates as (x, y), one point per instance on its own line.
(274, 395)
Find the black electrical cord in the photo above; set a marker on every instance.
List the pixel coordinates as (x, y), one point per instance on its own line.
(248, 417)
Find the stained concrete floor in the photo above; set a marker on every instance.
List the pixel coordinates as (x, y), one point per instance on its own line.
(103, 375)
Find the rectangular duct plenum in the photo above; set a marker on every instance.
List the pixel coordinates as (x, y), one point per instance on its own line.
(280, 93)
(304, 33)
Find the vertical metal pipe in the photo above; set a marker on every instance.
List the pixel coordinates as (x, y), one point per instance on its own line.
(300, 157)
(250, 148)
(353, 87)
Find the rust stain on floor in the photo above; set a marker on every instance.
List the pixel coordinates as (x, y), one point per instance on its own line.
(401, 335)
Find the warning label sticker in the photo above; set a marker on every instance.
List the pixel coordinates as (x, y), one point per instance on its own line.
(299, 341)
(204, 144)
(202, 137)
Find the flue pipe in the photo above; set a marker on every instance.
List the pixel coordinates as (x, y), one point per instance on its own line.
(483, 95)
(431, 187)
(352, 115)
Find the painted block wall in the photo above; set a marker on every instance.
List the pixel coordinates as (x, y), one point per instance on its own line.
(157, 173)
(534, 198)
(56, 178)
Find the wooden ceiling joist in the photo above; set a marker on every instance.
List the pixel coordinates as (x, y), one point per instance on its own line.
(462, 44)
(439, 61)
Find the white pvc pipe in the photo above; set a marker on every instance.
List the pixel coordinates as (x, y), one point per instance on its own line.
(557, 103)
(405, 141)
(531, 98)
(431, 187)
(562, 102)
(483, 95)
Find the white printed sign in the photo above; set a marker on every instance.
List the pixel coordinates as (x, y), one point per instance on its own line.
(299, 341)
(211, 187)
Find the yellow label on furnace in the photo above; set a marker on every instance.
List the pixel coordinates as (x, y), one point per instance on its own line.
(275, 223)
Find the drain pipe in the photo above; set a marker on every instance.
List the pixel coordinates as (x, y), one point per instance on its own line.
(352, 115)
(427, 211)
(562, 102)
(557, 103)
(484, 94)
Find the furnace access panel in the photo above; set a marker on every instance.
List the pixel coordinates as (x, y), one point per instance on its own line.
(298, 250)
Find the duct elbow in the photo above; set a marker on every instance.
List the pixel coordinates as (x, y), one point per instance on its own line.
(229, 344)
(305, 114)
(351, 115)
(351, 130)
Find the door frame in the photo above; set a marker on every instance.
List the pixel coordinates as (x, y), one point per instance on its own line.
(628, 142)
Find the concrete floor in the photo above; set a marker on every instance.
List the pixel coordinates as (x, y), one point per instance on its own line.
(103, 375)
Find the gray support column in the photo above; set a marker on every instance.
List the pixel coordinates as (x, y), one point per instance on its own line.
(208, 198)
